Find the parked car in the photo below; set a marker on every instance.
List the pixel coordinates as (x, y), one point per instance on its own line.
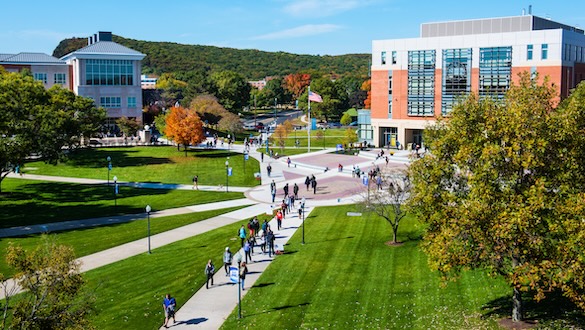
(250, 126)
(322, 125)
(334, 125)
(353, 123)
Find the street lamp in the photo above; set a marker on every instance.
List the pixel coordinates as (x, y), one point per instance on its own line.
(275, 110)
(238, 259)
(303, 207)
(227, 164)
(148, 209)
(109, 159)
(115, 191)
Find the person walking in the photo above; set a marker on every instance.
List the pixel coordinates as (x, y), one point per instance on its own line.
(288, 161)
(279, 219)
(273, 193)
(269, 169)
(296, 191)
(169, 305)
(227, 260)
(243, 272)
(314, 185)
(270, 242)
(256, 226)
(379, 182)
(307, 182)
(262, 157)
(242, 234)
(209, 271)
(285, 190)
(195, 182)
(247, 250)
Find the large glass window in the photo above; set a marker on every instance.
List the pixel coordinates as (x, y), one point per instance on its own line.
(390, 94)
(109, 72)
(529, 49)
(132, 102)
(41, 77)
(544, 52)
(393, 57)
(110, 102)
(59, 78)
(495, 71)
(456, 76)
(383, 55)
(421, 82)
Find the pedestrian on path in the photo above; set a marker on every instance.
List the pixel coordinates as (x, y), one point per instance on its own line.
(209, 271)
(314, 185)
(262, 157)
(273, 193)
(227, 260)
(242, 234)
(269, 169)
(243, 272)
(288, 161)
(379, 182)
(247, 250)
(307, 182)
(270, 242)
(279, 219)
(285, 190)
(296, 191)
(284, 207)
(195, 182)
(169, 305)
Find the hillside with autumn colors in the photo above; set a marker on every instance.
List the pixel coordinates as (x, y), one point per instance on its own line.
(168, 57)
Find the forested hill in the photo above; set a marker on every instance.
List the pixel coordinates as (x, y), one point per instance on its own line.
(163, 57)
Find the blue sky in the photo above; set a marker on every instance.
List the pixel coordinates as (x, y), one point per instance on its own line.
(321, 27)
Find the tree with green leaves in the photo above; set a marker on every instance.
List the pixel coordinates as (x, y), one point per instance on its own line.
(54, 296)
(128, 126)
(345, 119)
(231, 89)
(350, 137)
(497, 191)
(42, 122)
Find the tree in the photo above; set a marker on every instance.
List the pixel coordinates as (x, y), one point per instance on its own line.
(493, 196)
(232, 90)
(367, 87)
(184, 127)
(387, 202)
(280, 134)
(345, 119)
(128, 126)
(42, 122)
(350, 137)
(296, 83)
(172, 89)
(54, 296)
(320, 136)
(160, 122)
(208, 109)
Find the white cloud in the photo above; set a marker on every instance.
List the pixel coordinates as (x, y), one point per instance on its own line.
(300, 31)
(321, 8)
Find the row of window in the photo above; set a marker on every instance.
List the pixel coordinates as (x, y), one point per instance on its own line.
(109, 72)
(58, 78)
(543, 52)
(574, 53)
(116, 102)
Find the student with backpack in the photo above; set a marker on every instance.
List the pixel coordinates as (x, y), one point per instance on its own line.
(209, 271)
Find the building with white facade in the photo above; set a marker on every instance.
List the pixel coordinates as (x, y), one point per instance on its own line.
(109, 73)
(45, 68)
(416, 80)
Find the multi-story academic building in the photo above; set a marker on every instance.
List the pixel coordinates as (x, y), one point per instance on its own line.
(105, 71)
(416, 80)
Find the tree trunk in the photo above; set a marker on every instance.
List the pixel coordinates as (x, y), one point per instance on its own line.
(394, 232)
(517, 311)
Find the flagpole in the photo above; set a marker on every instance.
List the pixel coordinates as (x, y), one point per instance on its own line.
(309, 124)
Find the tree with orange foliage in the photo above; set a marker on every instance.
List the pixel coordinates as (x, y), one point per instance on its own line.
(184, 127)
(296, 83)
(367, 86)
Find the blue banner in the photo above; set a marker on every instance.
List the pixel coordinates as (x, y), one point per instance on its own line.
(313, 123)
(365, 180)
(246, 156)
(116, 188)
(109, 167)
(234, 274)
(229, 171)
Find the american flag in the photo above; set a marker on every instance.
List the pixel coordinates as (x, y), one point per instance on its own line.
(315, 97)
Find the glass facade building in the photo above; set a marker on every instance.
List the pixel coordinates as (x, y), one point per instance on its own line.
(495, 71)
(421, 82)
(456, 77)
(109, 72)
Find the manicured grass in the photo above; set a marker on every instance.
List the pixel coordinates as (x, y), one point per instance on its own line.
(129, 293)
(345, 277)
(153, 164)
(92, 240)
(26, 202)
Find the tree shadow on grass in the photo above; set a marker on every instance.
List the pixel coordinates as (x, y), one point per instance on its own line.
(554, 308)
(96, 158)
(279, 308)
(262, 285)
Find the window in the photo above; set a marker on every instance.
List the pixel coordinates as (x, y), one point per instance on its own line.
(110, 102)
(495, 71)
(109, 72)
(421, 82)
(41, 77)
(59, 78)
(529, 49)
(393, 57)
(131, 102)
(390, 94)
(456, 77)
(544, 52)
(383, 58)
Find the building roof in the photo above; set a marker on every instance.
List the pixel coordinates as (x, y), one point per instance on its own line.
(31, 59)
(104, 48)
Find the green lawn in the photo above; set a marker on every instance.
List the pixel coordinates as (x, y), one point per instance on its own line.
(130, 292)
(26, 202)
(345, 277)
(153, 164)
(92, 240)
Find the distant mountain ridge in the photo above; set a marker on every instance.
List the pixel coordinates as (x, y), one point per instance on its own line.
(167, 57)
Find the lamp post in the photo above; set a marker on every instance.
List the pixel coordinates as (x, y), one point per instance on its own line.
(115, 191)
(109, 159)
(245, 160)
(275, 110)
(303, 207)
(227, 164)
(238, 259)
(148, 209)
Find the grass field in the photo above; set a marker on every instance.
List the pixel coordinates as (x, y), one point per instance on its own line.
(26, 202)
(345, 277)
(129, 293)
(153, 164)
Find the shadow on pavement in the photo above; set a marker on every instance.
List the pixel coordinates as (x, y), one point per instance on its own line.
(193, 321)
